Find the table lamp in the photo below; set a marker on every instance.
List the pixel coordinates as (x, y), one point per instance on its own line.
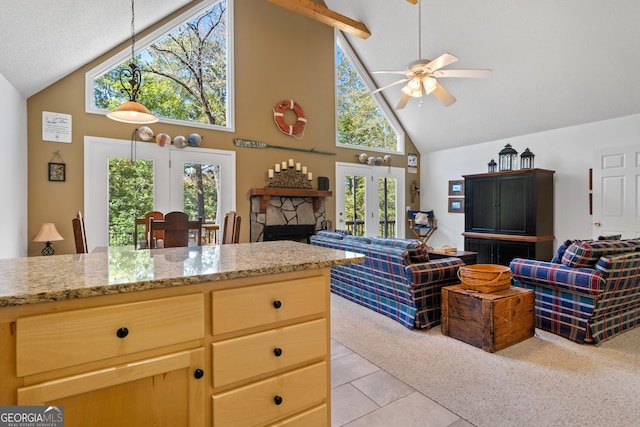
(48, 234)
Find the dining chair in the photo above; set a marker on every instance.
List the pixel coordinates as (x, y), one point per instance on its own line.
(79, 234)
(177, 229)
(231, 229)
(148, 238)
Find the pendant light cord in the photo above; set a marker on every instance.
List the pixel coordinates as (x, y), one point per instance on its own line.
(419, 29)
(133, 30)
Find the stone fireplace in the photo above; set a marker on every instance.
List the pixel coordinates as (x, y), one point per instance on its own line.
(286, 213)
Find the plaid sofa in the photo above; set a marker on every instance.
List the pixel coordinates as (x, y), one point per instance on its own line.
(589, 292)
(397, 279)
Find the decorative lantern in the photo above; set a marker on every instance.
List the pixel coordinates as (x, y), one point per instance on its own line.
(507, 158)
(526, 159)
(493, 166)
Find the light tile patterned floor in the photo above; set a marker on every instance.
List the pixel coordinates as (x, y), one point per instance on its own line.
(362, 394)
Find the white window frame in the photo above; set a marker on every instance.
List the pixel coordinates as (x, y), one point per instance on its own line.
(152, 37)
(97, 151)
(382, 103)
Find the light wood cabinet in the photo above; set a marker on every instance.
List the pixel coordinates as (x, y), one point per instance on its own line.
(270, 354)
(249, 351)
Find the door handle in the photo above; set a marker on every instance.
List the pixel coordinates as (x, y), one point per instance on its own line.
(597, 224)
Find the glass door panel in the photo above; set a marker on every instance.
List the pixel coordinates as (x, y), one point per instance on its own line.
(387, 206)
(130, 196)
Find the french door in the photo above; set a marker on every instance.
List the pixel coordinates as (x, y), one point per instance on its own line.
(118, 189)
(370, 200)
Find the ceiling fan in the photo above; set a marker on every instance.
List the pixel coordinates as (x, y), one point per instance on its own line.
(421, 76)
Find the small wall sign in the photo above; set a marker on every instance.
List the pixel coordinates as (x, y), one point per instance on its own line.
(56, 127)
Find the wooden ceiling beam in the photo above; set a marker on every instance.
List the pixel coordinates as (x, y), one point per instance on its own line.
(326, 16)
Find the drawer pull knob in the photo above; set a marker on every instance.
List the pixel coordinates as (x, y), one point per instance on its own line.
(122, 332)
(277, 304)
(277, 400)
(199, 373)
(277, 351)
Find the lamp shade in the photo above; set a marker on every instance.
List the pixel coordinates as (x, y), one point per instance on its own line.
(48, 233)
(132, 112)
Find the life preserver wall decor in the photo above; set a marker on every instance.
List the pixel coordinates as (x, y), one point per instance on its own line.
(278, 117)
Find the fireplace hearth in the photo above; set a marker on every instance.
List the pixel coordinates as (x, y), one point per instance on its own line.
(298, 232)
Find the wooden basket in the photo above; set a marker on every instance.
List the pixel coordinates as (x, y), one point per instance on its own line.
(485, 278)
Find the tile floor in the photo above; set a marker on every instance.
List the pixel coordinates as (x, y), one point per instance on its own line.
(362, 394)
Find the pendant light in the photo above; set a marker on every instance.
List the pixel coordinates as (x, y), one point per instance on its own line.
(132, 111)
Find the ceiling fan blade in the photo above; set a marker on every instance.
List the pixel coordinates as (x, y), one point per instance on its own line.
(389, 72)
(475, 74)
(403, 101)
(442, 61)
(443, 95)
(386, 86)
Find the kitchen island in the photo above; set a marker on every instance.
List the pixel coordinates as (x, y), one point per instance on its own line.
(225, 335)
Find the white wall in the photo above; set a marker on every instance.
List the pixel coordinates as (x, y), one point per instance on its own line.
(13, 172)
(568, 151)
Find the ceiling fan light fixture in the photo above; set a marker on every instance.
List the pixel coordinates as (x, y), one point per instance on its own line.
(429, 84)
(407, 90)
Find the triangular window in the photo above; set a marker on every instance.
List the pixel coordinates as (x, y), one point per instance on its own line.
(363, 120)
(186, 70)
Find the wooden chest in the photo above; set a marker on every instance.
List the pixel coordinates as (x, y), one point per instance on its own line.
(489, 321)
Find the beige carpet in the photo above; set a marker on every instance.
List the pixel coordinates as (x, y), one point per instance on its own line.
(543, 381)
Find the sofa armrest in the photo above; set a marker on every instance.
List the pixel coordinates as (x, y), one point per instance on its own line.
(550, 275)
(433, 271)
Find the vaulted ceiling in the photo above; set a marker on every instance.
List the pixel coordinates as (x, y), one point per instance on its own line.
(555, 63)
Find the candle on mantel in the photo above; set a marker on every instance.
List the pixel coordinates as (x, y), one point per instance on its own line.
(310, 176)
(298, 167)
(290, 163)
(277, 168)
(270, 173)
(304, 170)
(284, 165)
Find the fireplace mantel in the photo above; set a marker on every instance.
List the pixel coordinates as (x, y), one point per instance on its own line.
(267, 192)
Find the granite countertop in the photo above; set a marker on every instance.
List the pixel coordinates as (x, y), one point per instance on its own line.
(38, 279)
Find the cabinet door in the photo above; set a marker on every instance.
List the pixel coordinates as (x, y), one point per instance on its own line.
(484, 248)
(480, 204)
(162, 391)
(506, 251)
(514, 204)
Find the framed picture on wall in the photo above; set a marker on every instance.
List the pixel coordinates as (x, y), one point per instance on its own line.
(456, 188)
(456, 205)
(57, 172)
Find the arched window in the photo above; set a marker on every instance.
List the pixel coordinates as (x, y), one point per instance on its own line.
(363, 120)
(186, 69)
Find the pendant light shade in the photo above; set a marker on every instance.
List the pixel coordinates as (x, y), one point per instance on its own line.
(132, 112)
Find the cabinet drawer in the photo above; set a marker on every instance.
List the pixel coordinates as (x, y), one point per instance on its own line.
(256, 404)
(52, 341)
(245, 357)
(237, 309)
(316, 417)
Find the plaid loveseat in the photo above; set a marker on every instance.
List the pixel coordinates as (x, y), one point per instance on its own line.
(397, 279)
(589, 292)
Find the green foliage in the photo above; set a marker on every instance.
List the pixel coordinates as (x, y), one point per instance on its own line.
(130, 197)
(360, 119)
(184, 74)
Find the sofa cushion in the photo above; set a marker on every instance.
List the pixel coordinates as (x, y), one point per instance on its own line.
(587, 253)
(357, 239)
(330, 234)
(396, 243)
(417, 255)
(557, 258)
